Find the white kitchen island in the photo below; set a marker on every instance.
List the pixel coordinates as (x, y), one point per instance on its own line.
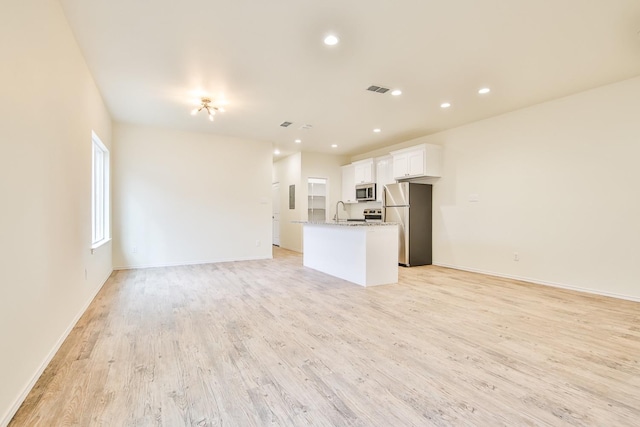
(364, 253)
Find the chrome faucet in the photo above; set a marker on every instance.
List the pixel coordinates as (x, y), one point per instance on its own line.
(337, 218)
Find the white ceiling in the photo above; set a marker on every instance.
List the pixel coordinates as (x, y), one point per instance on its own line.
(152, 59)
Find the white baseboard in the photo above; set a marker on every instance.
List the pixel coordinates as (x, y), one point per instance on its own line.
(542, 282)
(180, 263)
(6, 419)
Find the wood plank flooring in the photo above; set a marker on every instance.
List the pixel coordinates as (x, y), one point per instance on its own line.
(270, 342)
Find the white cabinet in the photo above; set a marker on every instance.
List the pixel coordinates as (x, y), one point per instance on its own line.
(348, 184)
(408, 164)
(364, 172)
(366, 255)
(360, 172)
(421, 160)
(384, 175)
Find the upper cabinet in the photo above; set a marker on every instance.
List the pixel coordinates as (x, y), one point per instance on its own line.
(384, 175)
(364, 172)
(418, 161)
(424, 160)
(348, 184)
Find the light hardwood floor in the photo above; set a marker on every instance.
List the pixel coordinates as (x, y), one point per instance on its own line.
(273, 343)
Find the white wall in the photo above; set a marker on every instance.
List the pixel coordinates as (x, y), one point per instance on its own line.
(49, 105)
(188, 198)
(556, 183)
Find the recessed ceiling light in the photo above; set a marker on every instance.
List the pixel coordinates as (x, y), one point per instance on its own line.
(396, 92)
(331, 40)
(276, 152)
(298, 141)
(484, 90)
(377, 130)
(334, 145)
(445, 105)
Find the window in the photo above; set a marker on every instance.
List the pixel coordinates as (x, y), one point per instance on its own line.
(99, 193)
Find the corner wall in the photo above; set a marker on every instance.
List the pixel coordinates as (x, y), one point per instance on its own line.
(556, 183)
(49, 105)
(189, 198)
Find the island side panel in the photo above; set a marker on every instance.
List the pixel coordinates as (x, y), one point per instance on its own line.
(382, 255)
(336, 250)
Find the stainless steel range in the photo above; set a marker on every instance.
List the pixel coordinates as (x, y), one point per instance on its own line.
(373, 215)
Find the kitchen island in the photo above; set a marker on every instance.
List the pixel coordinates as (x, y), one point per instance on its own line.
(365, 253)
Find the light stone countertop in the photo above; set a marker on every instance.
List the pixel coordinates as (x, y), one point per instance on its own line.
(347, 223)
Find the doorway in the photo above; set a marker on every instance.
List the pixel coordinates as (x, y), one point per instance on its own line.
(317, 199)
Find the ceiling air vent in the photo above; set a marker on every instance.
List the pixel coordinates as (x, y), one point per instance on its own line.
(306, 127)
(378, 89)
(285, 124)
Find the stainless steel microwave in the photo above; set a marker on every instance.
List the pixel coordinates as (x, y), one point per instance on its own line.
(365, 192)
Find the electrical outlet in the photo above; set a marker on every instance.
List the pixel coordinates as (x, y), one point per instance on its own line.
(134, 250)
(516, 256)
(85, 274)
(258, 243)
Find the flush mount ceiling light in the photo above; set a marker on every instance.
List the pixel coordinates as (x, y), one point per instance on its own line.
(331, 40)
(298, 141)
(377, 130)
(276, 151)
(205, 104)
(396, 92)
(334, 145)
(484, 90)
(445, 105)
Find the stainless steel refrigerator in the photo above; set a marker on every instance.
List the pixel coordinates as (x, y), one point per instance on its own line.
(409, 204)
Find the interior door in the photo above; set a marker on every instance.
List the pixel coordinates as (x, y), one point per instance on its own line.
(275, 216)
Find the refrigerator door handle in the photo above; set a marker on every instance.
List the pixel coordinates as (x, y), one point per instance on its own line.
(407, 231)
(384, 200)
